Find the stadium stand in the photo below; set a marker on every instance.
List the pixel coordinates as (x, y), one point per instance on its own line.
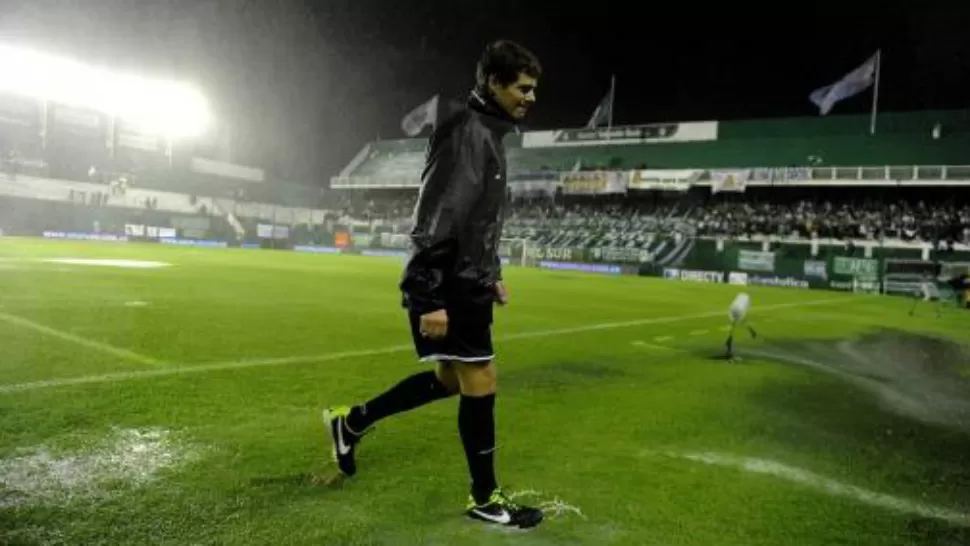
(628, 194)
(54, 152)
(905, 138)
(814, 186)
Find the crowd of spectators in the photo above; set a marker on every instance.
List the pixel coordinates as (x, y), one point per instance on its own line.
(846, 220)
(908, 220)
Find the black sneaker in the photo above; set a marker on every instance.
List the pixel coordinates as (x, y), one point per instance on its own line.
(502, 511)
(344, 440)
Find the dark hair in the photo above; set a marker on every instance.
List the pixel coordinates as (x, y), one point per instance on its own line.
(505, 60)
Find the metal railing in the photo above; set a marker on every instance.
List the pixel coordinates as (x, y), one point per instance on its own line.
(861, 173)
(865, 173)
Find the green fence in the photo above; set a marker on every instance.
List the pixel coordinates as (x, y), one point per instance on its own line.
(790, 264)
(831, 266)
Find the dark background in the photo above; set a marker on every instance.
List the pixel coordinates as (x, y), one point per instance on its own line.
(304, 85)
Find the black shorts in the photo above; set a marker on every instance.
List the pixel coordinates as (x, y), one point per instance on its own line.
(469, 337)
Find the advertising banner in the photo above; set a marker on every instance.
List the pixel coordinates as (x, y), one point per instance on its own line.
(561, 254)
(750, 260)
(626, 255)
(816, 269)
(856, 267)
(712, 277)
(730, 181)
(594, 182)
(664, 180)
(694, 131)
(786, 282)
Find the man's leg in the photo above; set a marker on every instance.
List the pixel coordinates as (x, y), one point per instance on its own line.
(347, 425)
(412, 392)
(445, 372)
(476, 425)
(916, 300)
(729, 344)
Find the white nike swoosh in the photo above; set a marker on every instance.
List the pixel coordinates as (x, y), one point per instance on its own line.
(342, 448)
(503, 519)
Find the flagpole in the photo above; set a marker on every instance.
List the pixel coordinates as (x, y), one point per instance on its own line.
(612, 98)
(875, 93)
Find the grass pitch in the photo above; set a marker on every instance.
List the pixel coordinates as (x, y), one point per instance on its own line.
(180, 405)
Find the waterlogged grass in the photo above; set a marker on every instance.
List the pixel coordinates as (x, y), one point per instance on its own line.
(608, 426)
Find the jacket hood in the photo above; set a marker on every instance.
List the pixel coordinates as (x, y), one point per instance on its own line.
(491, 113)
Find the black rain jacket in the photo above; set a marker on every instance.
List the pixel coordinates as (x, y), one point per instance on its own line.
(454, 261)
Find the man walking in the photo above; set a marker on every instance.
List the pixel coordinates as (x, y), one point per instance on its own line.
(453, 279)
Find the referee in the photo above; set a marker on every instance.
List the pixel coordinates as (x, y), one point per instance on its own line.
(453, 279)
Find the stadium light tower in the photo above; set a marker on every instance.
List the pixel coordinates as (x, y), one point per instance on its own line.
(171, 109)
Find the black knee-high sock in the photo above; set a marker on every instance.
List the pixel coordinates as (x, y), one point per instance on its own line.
(412, 392)
(476, 424)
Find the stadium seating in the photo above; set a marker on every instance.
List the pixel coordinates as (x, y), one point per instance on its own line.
(789, 158)
(903, 139)
(577, 230)
(31, 216)
(395, 159)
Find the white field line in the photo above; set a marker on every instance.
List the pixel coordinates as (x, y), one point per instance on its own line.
(656, 347)
(78, 340)
(342, 355)
(829, 486)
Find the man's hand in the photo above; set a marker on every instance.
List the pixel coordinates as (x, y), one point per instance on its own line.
(434, 325)
(501, 294)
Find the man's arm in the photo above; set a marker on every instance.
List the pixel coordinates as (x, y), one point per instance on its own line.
(452, 184)
(501, 293)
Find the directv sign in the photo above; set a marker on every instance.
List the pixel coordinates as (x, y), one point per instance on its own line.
(713, 277)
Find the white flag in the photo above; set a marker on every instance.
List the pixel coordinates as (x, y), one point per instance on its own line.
(425, 114)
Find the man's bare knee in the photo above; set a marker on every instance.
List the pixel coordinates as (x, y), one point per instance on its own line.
(446, 374)
(476, 378)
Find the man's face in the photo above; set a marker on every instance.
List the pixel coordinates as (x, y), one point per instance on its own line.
(516, 98)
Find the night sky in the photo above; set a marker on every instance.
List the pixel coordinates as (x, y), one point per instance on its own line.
(305, 84)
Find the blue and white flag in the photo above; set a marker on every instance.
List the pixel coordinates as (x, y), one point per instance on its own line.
(851, 84)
